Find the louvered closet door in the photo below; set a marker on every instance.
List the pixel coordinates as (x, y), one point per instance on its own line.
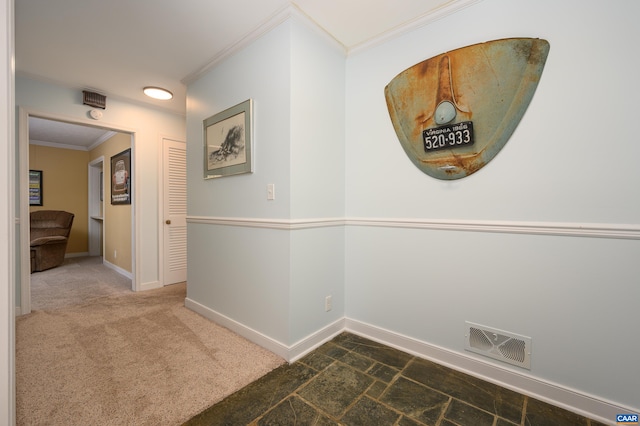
(175, 211)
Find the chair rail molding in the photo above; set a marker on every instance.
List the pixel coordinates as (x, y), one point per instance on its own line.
(568, 229)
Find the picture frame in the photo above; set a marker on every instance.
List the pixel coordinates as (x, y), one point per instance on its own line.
(228, 141)
(35, 188)
(121, 177)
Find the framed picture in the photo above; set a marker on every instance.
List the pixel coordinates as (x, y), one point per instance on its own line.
(121, 178)
(35, 187)
(228, 142)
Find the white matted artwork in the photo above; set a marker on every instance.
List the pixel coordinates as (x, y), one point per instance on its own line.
(228, 142)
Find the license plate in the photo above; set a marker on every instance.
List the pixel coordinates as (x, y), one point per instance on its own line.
(450, 136)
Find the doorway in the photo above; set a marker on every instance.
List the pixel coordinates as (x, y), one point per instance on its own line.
(94, 225)
(96, 207)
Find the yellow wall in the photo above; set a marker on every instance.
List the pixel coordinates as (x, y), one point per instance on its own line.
(64, 187)
(117, 218)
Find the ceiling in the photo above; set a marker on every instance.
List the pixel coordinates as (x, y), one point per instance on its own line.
(117, 47)
(66, 135)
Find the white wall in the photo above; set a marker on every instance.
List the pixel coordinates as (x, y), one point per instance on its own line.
(238, 272)
(317, 178)
(7, 217)
(317, 124)
(572, 161)
(268, 276)
(149, 125)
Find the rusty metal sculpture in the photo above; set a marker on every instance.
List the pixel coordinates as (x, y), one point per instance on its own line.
(454, 112)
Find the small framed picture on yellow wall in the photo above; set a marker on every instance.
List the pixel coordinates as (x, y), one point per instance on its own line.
(121, 178)
(35, 188)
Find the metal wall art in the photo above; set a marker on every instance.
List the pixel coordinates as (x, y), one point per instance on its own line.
(227, 142)
(454, 112)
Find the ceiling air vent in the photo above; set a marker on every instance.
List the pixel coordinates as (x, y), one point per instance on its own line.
(94, 99)
(501, 345)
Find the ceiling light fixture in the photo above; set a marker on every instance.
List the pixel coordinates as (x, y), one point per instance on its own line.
(157, 93)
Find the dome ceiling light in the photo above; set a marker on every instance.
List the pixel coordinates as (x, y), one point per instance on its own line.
(158, 93)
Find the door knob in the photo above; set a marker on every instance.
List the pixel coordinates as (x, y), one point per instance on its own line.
(168, 222)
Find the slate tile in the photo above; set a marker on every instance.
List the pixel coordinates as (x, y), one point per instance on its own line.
(293, 411)
(332, 350)
(255, 399)
(369, 412)
(464, 414)
(540, 413)
(503, 422)
(406, 421)
(371, 384)
(336, 388)
(376, 389)
(357, 361)
(349, 341)
(383, 372)
(317, 361)
(383, 354)
(415, 400)
(487, 396)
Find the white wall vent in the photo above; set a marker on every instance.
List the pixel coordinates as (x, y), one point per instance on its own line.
(501, 345)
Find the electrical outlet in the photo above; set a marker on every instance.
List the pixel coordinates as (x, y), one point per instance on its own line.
(327, 303)
(115, 254)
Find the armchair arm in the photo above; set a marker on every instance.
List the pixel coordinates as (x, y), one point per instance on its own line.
(55, 239)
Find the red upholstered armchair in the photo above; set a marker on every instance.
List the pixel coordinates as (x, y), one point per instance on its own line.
(49, 235)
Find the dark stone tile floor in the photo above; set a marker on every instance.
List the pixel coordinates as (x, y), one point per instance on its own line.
(354, 381)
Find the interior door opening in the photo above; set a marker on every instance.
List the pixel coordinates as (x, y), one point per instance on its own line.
(96, 207)
(95, 198)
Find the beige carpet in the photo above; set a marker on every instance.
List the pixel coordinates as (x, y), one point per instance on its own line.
(76, 281)
(127, 359)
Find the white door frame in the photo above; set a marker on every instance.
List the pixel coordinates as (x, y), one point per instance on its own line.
(23, 159)
(96, 207)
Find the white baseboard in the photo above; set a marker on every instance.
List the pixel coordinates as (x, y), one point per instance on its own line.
(289, 353)
(117, 269)
(313, 341)
(561, 396)
(150, 286)
(244, 331)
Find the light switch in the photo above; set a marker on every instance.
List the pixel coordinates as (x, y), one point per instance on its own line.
(271, 191)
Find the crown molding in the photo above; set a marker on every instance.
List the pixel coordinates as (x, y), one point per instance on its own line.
(413, 24)
(270, 23)
(293, 11)
(58, 145)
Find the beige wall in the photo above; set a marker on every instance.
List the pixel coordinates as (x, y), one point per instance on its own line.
(64, 187)
(117, 218)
